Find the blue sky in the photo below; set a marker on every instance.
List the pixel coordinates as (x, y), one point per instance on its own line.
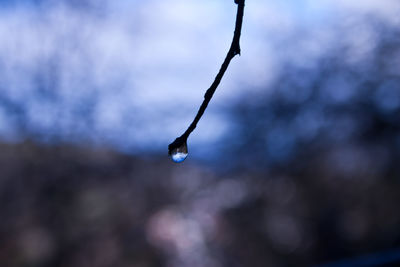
(141, 67)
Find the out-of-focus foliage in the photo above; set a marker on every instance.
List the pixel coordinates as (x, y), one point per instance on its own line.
(70, 206)
(351, 109)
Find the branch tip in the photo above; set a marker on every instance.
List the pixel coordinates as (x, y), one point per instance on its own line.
(233, 51)
(177, 143)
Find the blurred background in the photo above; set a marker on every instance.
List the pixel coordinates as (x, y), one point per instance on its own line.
(296, 162)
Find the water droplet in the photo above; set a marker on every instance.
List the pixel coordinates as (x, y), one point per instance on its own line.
(179, 154)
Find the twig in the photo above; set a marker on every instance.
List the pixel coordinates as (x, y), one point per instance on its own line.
(233, 51)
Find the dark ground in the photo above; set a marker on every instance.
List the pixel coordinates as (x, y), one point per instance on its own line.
(73, 206)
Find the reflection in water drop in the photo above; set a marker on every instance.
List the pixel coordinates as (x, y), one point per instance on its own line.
(179, 154)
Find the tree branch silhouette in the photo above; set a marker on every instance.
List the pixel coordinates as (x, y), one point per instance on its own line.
(233, 51)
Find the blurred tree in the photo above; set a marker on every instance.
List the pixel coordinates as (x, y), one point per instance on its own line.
(334, 104)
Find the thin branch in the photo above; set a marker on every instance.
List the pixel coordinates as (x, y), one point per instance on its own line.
(233, 51)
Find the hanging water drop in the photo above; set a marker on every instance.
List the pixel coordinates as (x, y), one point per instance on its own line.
(179, 154)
